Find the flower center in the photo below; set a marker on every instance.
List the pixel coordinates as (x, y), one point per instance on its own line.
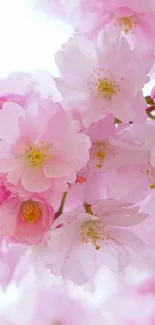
(106, 88)
(30, 211)
(127, 23)
(36, 155)
(91, 231)
(101, 151)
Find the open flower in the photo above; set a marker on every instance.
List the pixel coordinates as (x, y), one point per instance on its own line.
(83, 241)
(40, 149)
(26, 221)
(93, 84)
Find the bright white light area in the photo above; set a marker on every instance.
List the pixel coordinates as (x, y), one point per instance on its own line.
(29, 40)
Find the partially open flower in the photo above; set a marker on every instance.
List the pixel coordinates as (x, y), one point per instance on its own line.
(26, 221)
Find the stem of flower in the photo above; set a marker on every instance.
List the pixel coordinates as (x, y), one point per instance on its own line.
(62, 204)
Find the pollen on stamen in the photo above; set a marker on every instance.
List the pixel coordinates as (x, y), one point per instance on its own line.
(101, 151)
(107, 88)
(92, 231)
(127, 23)
(36, 155)
(30, 211)
(103, 84)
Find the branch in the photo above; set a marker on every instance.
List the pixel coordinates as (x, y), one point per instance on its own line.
(62, 204)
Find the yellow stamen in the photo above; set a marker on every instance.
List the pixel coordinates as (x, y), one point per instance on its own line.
(99, 152)
(107, 88)
(127, 23)
(102, 83)
(91, 231)
(30, 211)
(36, 155)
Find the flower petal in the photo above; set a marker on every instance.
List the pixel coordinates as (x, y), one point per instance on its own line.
(35, 181)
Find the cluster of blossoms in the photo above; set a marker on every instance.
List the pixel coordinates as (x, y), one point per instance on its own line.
(77, 173)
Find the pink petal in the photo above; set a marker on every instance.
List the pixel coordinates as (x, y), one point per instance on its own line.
(7, 165)
(35, 181)
(8, 216)
(153, 156)
(124, 218)
(14, 175)
(57, 169)
(9, 120)
(129, 239)
(114, 256)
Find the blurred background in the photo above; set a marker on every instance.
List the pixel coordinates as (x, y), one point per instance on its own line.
(28, 38)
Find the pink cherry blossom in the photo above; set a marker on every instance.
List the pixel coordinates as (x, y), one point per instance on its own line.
(87, 240)
(93, 84)
(136, 24)
(145, 6)
(42, 149)
(110, 150)
(26, 221)
(27, 89)
(91, 189)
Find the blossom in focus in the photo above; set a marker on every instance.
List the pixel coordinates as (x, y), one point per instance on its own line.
(93, 84)
(86, 240)
(40, 149)
(26, 221)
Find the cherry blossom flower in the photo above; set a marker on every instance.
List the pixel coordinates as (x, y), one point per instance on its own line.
(145, 6)
(93, 84)
(42, 149)
(110, 150)
(87, 240)
(26, 221)
(138, 24)
(27, 89)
